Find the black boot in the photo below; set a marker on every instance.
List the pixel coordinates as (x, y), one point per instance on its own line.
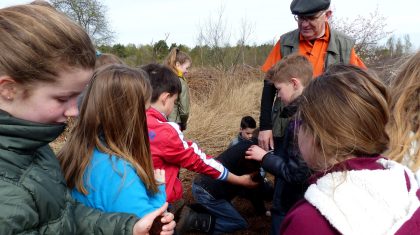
(191, 220)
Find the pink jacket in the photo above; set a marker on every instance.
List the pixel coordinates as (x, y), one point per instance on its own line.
(170, 151)
(373, 196)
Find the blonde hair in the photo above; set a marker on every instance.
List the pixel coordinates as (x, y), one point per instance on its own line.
(404, 126)
(292, 66)
(346, 110)
(112, 119)
(38, 42)
(106, 59)
(174, 56)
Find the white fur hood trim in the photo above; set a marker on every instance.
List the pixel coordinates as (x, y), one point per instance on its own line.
(366, 201)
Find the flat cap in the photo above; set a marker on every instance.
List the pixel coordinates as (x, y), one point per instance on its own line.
(308, 7)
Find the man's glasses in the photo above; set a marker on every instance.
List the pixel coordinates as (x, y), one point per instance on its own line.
(308, 18)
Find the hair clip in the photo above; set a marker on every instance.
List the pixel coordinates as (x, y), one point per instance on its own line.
(98, 53)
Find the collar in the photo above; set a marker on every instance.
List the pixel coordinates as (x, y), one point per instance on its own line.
(156, 114)
(290, 109)
(24, 136)
(181, 75)
(240, 136)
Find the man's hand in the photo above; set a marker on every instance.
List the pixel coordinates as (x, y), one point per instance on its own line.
(255, 153)
(265, 140)
(143, 226)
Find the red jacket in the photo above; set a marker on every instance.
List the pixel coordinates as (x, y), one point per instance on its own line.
(376, 197)
(170, 151)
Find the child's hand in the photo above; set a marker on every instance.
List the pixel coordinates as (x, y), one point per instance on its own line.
(255, 153)
(144, 225)
(159, 176)
(247, 181)
(168, 219)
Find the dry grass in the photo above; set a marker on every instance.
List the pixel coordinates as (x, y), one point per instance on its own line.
(218, 102)
(218, 106)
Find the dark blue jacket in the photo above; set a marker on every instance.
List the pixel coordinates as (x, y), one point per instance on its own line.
(287, 165)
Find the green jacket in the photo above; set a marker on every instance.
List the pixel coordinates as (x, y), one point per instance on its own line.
(338, 50)
(182, 106)
(34, 198)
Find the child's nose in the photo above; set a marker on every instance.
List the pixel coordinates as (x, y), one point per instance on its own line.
(72, 110)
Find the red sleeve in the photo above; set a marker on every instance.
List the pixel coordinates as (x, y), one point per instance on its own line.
(355, 60)
(188, 155)
(272, 58)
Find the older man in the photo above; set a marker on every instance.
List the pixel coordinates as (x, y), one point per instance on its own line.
(314, 39)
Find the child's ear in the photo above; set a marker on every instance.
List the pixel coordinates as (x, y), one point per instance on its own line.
(295, 82)
(164, 97)
(8, 87)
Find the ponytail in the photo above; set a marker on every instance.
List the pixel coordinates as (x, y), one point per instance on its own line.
(174, 56)
(170, 60)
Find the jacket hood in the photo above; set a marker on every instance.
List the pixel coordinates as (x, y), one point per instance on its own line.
(376, 201)
(23, 136)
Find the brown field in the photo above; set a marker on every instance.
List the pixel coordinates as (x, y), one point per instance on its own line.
(218, 102)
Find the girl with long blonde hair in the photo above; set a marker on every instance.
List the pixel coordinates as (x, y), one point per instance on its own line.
(404, 127)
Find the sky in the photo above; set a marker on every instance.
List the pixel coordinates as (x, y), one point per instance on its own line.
(148, 21)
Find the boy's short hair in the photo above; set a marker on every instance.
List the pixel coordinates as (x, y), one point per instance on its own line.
(292, 66)
(162, 80)
(248, 122)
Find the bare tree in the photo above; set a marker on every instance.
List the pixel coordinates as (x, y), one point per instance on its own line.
(368, 31)
(214, 34)
(91, 15)
(246, 31)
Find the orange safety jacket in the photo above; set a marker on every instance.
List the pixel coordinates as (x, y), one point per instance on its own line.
(315, 52)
